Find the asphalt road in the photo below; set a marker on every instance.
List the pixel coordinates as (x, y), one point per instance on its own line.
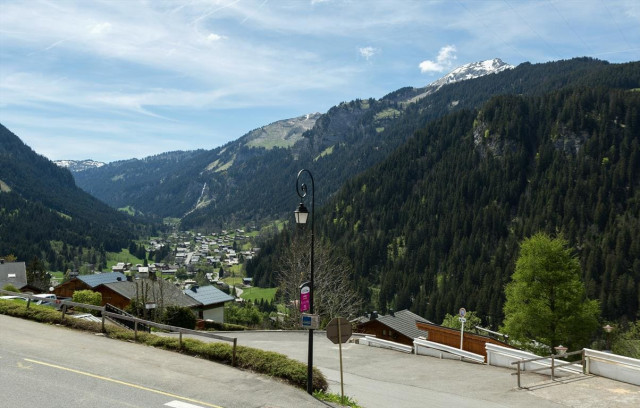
(51, 366)
(379, 378)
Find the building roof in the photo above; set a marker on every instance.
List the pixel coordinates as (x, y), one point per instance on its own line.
(404, 322)
(14, 273)
(208, 295)
(155, 291)
(102, 278)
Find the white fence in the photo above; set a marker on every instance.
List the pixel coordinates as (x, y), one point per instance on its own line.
(429, 348)
(376, 342)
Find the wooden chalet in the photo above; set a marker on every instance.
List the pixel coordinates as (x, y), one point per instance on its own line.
(399, 327)
(472, 342)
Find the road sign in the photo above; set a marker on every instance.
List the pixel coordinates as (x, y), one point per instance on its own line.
(309, 321)
(462, 312)
(339, 330)
(462, 319)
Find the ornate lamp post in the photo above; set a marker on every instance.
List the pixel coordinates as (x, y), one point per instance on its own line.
(301, 218)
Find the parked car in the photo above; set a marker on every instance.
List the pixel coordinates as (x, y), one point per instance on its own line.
(13, 298)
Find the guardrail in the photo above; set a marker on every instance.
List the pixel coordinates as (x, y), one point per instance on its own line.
(443, 351)
(552, 367)
(64, 304)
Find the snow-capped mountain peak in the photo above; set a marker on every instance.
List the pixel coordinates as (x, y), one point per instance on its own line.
(471, 71)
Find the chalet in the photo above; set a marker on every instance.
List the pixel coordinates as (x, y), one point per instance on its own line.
(472, 342)
(211, 302)
(13, 273)
(399, 327)
(159, 292)
(87, 282)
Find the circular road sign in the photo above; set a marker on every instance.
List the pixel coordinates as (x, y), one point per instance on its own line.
(462, 312)
(345, 330)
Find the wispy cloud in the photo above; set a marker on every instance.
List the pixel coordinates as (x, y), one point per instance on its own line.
(445, 59)
(172, 61)
(368, 52)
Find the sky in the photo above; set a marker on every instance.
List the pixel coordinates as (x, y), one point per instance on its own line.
(118, 79)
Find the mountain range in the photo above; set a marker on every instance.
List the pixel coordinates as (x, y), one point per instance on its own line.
(427, 191)
(218, 187)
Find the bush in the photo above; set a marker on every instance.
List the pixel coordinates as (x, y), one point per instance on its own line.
(88, 297)
(180, 317)
(210, 325)
(10, 288)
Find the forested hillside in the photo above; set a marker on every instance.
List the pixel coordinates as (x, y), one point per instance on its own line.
(44, 214)
(436, 226)
(242, 182)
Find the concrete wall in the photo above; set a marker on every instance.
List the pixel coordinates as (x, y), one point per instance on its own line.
(216, 314)
(613, 366)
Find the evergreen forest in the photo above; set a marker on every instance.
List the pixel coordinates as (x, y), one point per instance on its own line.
(437, 225)
(44, 215)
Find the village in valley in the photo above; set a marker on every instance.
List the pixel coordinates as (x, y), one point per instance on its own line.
(184, 269)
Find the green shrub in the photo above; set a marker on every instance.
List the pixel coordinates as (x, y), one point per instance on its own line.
(88, 297)
(209, 325)
(180, 317)
(10, 288)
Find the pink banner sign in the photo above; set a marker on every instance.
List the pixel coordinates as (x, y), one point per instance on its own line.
(305, 298)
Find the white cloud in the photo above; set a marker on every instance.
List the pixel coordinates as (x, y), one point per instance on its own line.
(215, 37)
(101, 28)
(368, 52)
(444, 60)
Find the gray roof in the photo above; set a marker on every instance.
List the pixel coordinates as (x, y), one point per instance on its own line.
(404, 322)
(14, 273)
(208, 295)
(102, 278)
(155, 291)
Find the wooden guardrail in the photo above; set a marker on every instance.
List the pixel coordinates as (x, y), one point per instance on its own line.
(63, 305)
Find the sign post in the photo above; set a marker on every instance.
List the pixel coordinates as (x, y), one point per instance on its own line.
(462, 312)
(338, 331)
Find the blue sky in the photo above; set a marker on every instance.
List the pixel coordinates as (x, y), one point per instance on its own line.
(117, 79)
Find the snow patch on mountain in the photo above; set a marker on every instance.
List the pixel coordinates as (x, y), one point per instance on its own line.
(79, 165)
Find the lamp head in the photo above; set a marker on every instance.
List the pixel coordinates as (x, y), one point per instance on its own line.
(301, 214)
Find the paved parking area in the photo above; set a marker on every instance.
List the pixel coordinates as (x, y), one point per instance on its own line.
(384, 378)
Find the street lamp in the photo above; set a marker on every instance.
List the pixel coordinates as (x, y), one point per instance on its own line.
(608, 329)
(301, 218)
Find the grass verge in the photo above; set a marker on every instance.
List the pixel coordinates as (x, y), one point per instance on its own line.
(264, 362)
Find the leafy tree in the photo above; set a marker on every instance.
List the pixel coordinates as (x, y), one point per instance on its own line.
(37, 275)
(453, 321)
(546, 301)
(9, 258)
(246, 314)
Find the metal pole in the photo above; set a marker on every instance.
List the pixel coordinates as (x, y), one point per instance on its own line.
(311, 296)
(461, 334)
(340, 347)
